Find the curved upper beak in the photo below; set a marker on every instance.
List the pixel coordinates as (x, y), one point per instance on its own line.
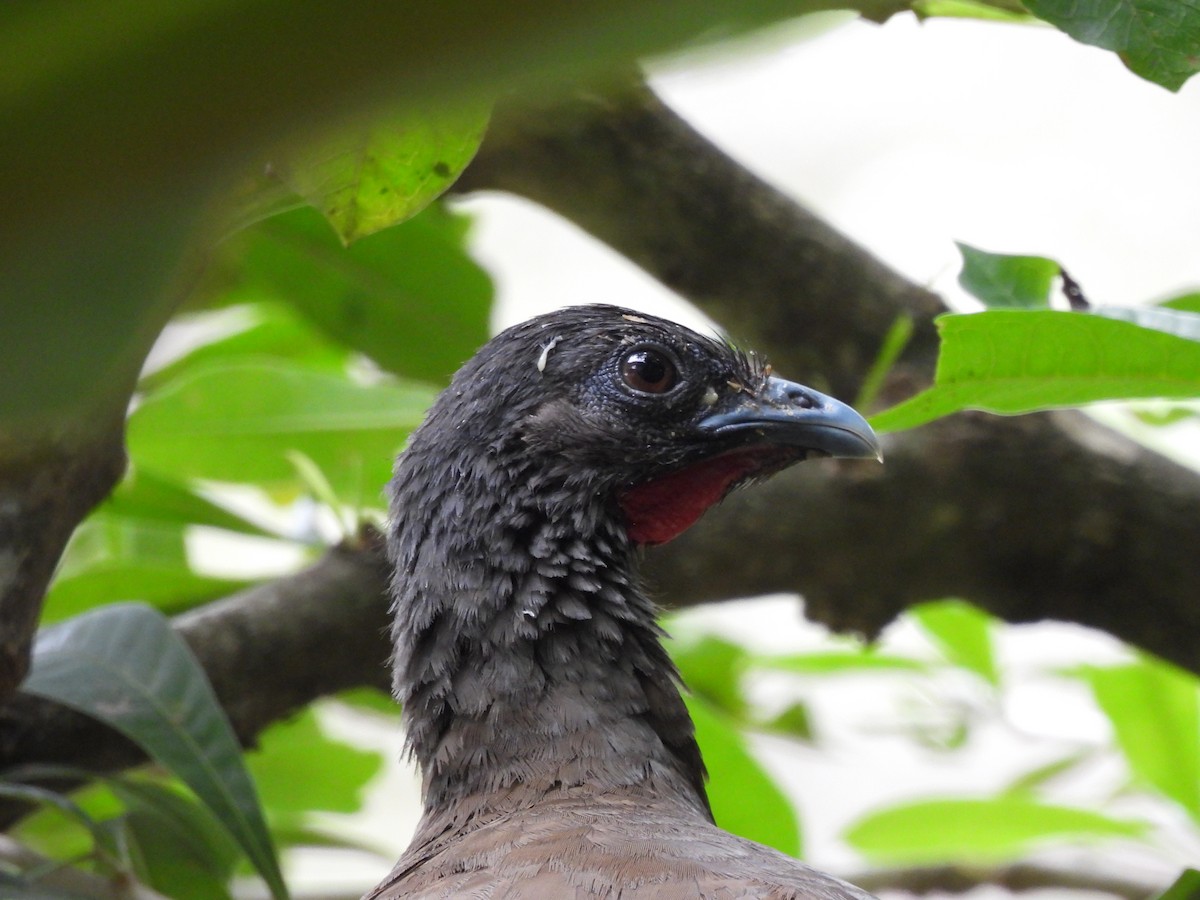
(793, 415)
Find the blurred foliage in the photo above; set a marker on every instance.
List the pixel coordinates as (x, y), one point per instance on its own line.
(293, 347)
(123, 664)
(1156, 39)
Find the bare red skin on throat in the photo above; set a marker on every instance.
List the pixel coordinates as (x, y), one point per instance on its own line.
(664, 508)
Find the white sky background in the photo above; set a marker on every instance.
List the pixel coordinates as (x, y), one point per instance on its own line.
(907, 137)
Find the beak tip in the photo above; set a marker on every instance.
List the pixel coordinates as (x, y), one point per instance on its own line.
(789, 413)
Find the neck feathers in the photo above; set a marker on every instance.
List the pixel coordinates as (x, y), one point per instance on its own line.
(527, 657)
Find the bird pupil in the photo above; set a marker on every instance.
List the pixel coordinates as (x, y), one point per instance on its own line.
(649, 372)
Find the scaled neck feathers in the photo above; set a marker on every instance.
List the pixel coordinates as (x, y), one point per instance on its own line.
(527, 658)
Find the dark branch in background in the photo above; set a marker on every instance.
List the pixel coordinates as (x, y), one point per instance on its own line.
(960, 880)
(59, 461)
(1040, 517)
(1045, 516)
(628, 170)
(43, 496)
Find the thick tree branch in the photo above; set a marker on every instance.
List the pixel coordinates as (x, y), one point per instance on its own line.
(1045, 516)
(62, 451)
(1039, 517)
(960, 880)
(43, 495)
(628, 170)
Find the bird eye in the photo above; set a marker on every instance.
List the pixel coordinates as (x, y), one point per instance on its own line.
(648, 371)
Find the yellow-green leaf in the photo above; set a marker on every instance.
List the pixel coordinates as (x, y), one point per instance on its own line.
(373, 175)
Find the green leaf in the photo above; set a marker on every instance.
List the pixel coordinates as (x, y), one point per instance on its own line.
(1027, 782)
(294, 832)
(1162, 417)
(98, 836)
(374, 175)
(370, 699)
(712, 668)
(125, 666)
(1157, 39)
(794, 721)
(977, 831)
(170, 588)
(51, 834)
(833, 662)
(177, 846)
(1186, 887)
(409, 297)
(962, 633)
(1007, 282)
(182, 851)
(971, 9)
(298, 768)
(893, 345)
(1189, 302)
(118, 557)
(1019, 361)
(272, 330)
(744, 799)
(1154, 709)
(104, 537)
(149, 497)
(237, 423)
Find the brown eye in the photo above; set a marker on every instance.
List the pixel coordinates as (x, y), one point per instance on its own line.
(649, 372)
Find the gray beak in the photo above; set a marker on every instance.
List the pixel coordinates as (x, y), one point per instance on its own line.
(790, 414)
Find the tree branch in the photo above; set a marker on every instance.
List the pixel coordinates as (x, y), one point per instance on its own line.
(625, 168)
(43, 495)
(961, 879)
(1043, 516)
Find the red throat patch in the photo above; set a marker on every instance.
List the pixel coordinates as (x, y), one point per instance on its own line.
(664, 508)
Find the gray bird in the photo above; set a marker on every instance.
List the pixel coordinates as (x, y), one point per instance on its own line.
(557, 756)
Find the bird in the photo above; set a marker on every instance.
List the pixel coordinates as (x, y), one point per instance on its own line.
(558, 759)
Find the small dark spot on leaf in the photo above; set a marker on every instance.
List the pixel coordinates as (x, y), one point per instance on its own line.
(441, 170)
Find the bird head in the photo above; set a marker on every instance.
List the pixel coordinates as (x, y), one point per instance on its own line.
(625, 406)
